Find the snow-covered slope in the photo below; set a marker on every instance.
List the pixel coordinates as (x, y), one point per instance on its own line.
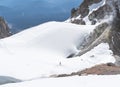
(76, 81)
(41, 51)
(38, 54)
(63, 38)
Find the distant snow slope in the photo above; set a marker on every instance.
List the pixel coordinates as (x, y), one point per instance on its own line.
(41, 51)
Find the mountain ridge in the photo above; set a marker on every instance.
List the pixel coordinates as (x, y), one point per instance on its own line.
(107, 18)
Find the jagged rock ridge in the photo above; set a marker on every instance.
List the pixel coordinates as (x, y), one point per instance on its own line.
(107, 31)
(93, 11)
(4, 29)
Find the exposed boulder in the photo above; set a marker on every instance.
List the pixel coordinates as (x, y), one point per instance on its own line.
(4, 29)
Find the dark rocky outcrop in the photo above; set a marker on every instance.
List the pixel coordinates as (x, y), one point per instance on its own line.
(95, 15)
(83, 9)
(115, 36)
(4, 29)
(78, 21)
(100, 13)
(97, 37)
(107, 32)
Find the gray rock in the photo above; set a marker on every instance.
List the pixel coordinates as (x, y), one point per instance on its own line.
(117, 62)
(4, 29)
(108, 32)
(77, 21)
(97, 15)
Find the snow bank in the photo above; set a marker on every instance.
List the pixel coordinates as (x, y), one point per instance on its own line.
(76, 81)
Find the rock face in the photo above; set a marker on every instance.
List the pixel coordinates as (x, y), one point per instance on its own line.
(83, 9)
(4, 29)
(115, 36)
(105, 12)
(93, 11)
